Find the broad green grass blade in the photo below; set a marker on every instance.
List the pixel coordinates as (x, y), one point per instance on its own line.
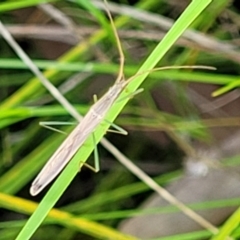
(189, 15)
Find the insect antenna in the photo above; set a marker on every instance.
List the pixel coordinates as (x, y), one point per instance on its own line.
(120, 76)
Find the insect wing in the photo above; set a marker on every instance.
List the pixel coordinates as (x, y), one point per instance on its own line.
(59, 159)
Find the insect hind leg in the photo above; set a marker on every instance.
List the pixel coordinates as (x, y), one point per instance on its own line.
(118, 129)
(96, 167)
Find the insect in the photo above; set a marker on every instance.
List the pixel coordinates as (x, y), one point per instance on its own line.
(89, 123)
(83, 130)
(77, 137)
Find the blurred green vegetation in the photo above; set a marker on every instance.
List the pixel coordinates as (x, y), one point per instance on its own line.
(82, 60)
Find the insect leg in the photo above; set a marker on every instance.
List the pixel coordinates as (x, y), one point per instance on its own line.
(47, 125)
(119, 46)
(131, 95)
(118, 129)
(96, 167)
(96, 155)
(95, 99)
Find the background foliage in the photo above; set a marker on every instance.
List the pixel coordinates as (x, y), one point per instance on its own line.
(169, 123)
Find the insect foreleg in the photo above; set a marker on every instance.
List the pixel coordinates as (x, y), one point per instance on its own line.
(131, 95)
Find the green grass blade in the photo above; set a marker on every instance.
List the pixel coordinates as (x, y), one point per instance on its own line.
(96, 230)
(229, 226)
(189, 15)
(8, 6)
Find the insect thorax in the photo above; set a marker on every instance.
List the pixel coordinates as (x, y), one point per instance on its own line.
(115, 90)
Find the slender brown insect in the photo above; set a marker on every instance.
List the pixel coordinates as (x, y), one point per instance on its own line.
(83, 130)
(86, 127)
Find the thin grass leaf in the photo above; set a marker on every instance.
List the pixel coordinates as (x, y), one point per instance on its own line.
(9, 6)
(63, 218)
